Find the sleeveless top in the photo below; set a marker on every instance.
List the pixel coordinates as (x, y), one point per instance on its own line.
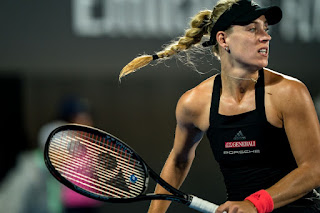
(252, 153)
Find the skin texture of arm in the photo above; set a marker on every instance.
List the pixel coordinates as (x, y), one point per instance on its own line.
(289, 100)
(189, 115)
(302, 127)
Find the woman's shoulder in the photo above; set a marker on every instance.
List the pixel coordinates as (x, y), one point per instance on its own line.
(194, 101)
(283, 88)
(200, 93)
(281, 82)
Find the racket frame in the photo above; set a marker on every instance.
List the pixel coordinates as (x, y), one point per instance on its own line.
(176, 196)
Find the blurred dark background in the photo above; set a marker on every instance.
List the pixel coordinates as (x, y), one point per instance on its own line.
(50, 49)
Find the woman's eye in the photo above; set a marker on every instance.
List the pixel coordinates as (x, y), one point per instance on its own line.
(267, 30)
(253, 29)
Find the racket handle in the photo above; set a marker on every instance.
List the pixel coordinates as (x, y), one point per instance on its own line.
(202, 205)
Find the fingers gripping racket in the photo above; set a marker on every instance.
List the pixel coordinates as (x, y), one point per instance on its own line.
(100, 166)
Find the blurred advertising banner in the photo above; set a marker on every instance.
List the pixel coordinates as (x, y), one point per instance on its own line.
(167, 18)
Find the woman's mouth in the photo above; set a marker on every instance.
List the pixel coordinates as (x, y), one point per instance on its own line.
(263, 51)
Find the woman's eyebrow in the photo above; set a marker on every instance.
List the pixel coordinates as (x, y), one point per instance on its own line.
(257, 22)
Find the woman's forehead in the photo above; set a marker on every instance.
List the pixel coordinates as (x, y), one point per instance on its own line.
(261, 20)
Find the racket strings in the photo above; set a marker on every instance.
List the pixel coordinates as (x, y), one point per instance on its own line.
(97, 164)
(83, 173)
(98, 170)
(108, 146)
(111, 182)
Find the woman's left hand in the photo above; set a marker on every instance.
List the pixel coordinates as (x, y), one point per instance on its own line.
(237, 207)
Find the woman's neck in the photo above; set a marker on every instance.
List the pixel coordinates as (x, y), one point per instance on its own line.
(237, 82)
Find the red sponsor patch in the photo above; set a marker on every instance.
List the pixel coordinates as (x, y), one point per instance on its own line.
(240, 144)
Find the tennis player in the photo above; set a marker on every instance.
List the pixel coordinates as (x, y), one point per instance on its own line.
(262, 125)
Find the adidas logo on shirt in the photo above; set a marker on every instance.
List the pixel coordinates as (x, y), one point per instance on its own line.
(239, 136)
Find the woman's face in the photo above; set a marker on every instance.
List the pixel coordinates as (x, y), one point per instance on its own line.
(249, 44)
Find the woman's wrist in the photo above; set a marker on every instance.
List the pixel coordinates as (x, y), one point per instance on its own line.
(262, 201)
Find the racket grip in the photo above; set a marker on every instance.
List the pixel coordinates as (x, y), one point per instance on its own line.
(202, 205)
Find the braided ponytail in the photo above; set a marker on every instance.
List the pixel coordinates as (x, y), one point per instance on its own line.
(198, 28)
(200, 25)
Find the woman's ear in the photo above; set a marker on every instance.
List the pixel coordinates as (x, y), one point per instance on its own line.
(221, 38)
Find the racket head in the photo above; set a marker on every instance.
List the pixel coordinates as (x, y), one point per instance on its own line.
(95, 163)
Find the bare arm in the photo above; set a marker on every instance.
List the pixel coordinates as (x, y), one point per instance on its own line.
(303, 131)
(187, 137)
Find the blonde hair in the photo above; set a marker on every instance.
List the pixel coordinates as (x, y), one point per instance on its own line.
(200, 26)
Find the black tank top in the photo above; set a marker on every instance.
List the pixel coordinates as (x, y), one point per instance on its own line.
(252, 153)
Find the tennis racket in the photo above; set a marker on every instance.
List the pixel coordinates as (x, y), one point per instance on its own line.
(100, 166)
